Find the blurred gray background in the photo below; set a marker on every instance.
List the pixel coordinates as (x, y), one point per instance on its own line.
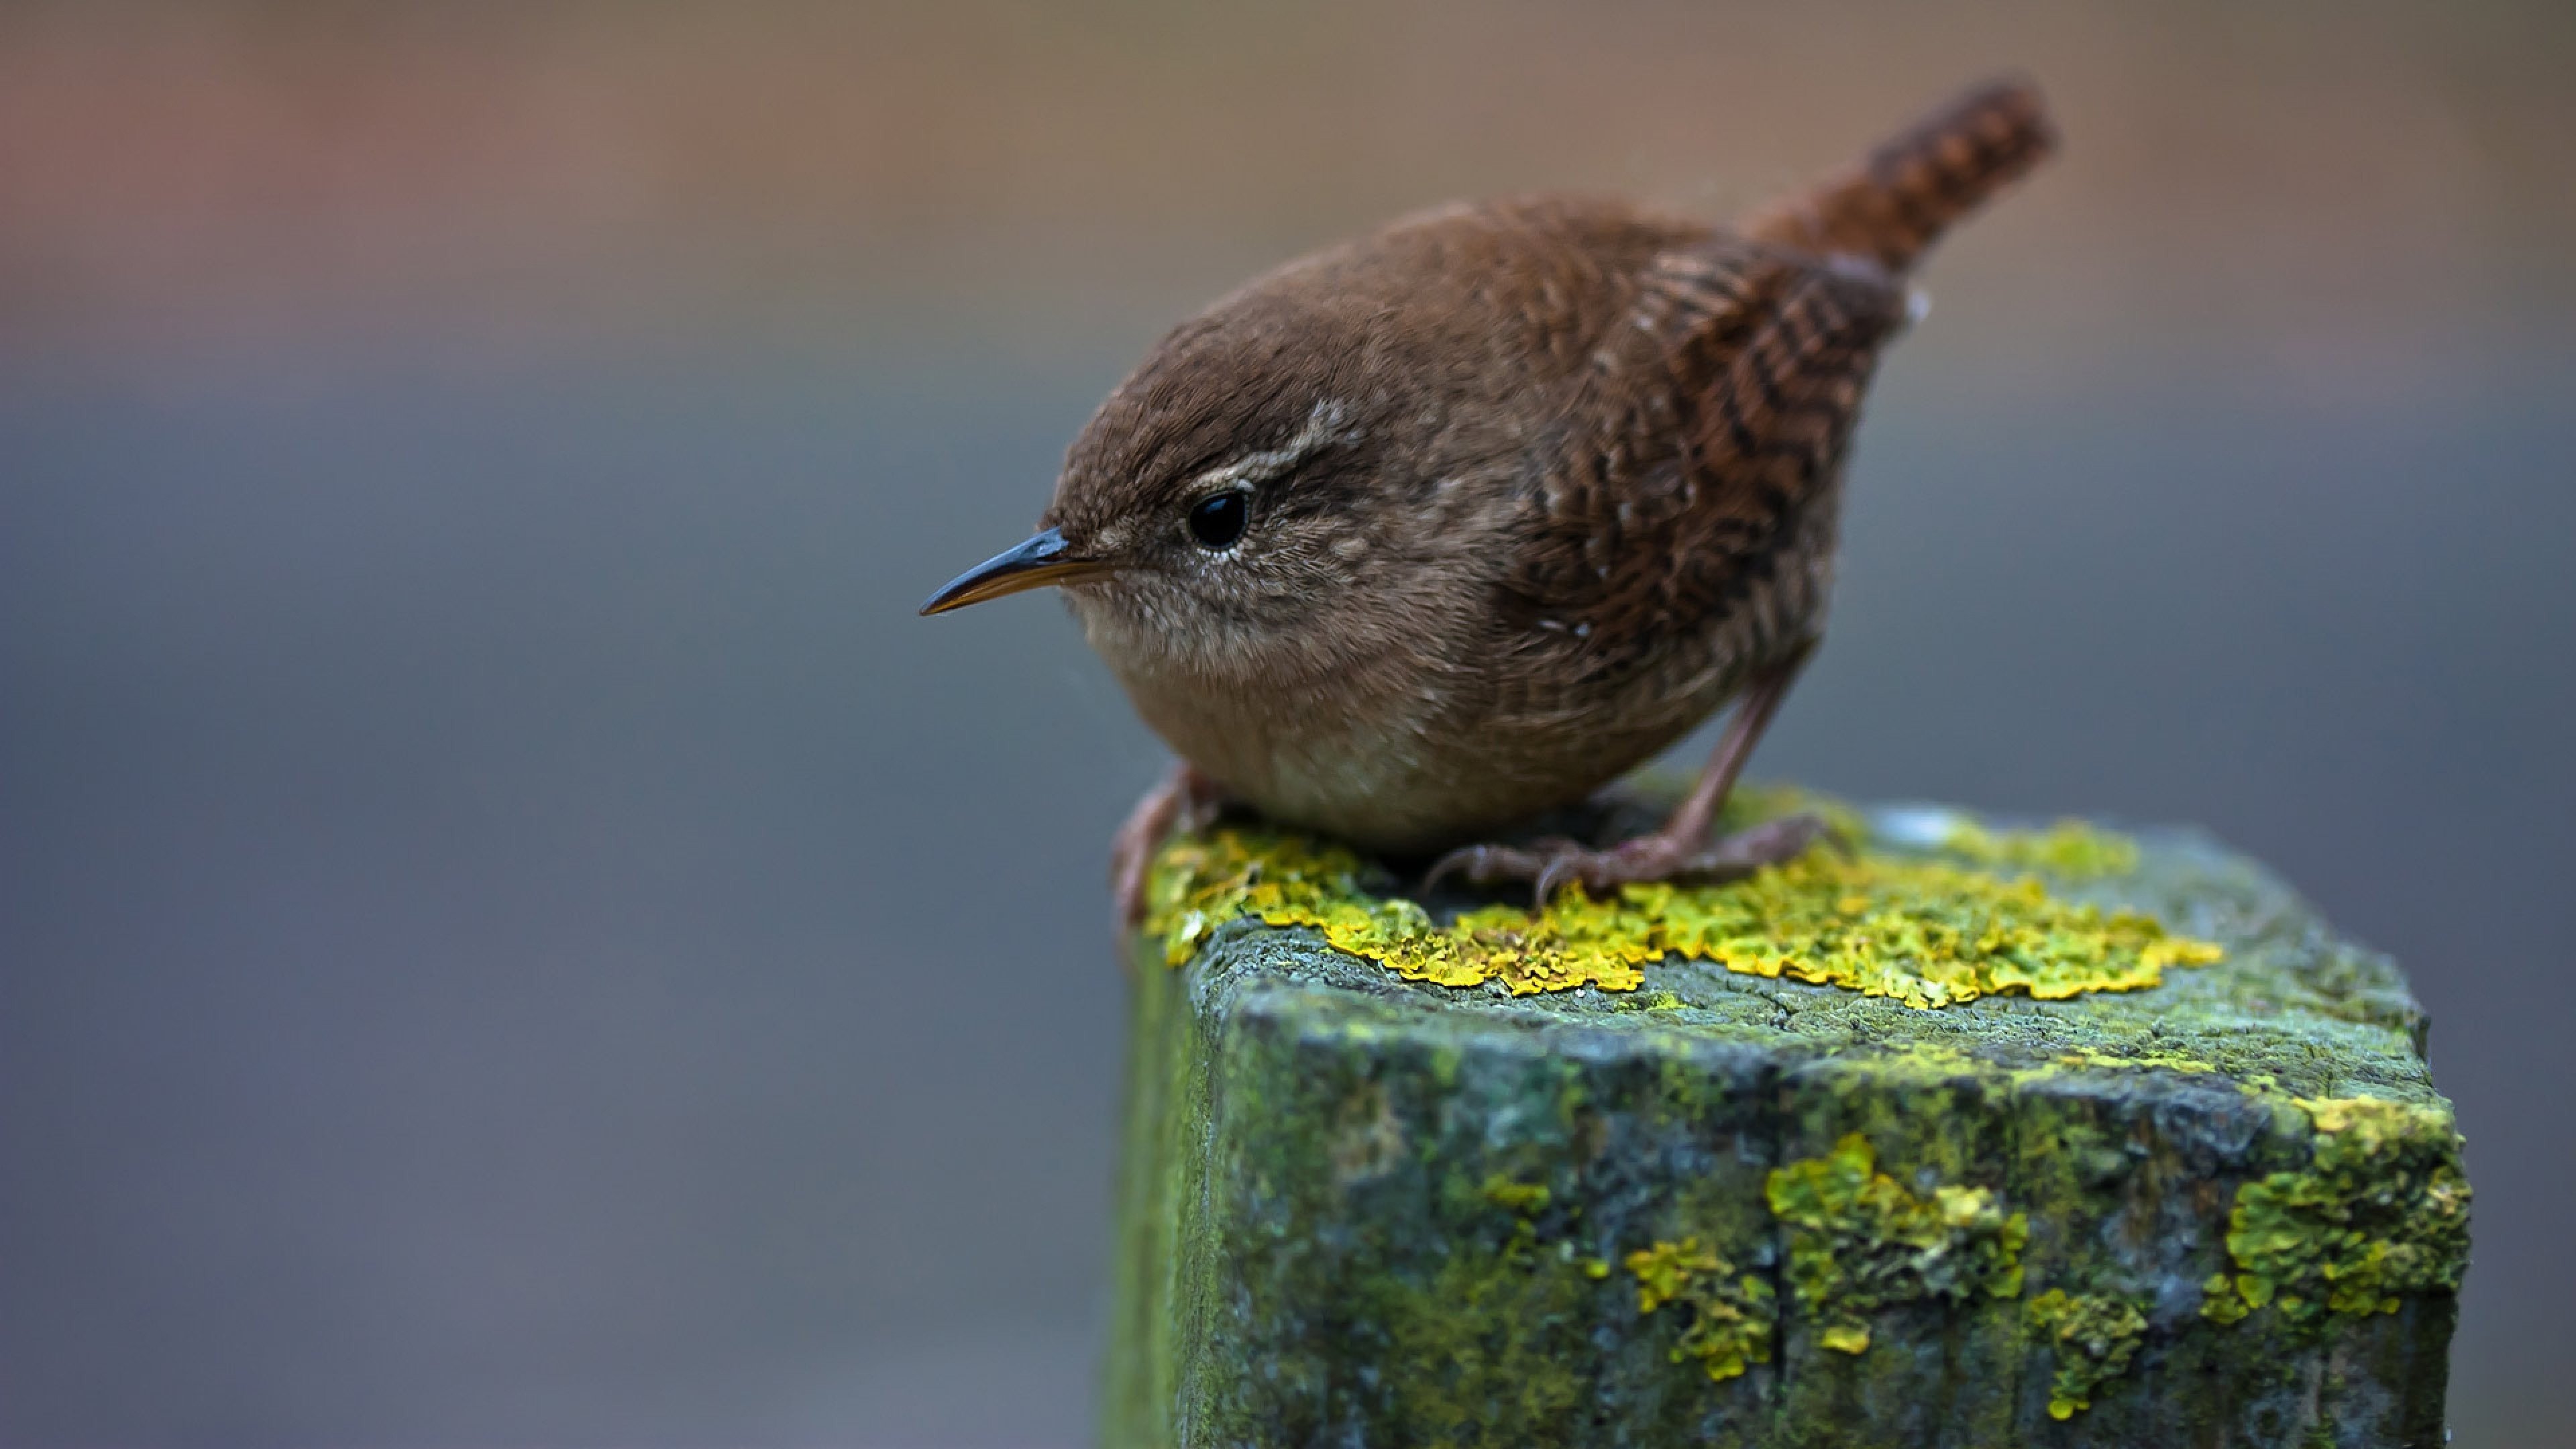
(511, 933)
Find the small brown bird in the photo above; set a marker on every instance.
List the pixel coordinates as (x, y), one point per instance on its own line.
(1425, 534)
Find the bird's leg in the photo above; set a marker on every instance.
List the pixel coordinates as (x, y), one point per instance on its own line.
(1183, 798)
(1682, 846)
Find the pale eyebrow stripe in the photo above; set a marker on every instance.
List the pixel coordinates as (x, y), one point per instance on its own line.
(1323, 426)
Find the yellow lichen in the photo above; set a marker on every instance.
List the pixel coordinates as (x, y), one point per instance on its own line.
(1924, 932)
(2093, 1338)
(1859, 1241)
(2381, 1212)
(2068, 848)
(1525, 1198)
(1732, 1314)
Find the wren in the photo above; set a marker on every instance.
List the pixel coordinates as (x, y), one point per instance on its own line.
(1425, 534)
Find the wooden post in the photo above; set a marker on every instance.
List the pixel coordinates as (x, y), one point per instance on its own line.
(1730, 1208)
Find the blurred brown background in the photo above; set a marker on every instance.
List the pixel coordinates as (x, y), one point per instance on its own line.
(510, 932)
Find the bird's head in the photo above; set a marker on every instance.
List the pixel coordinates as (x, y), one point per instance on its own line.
(1257, 502)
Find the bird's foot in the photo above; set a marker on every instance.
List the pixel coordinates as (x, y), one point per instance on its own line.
(1550, 864)
(1183, 799)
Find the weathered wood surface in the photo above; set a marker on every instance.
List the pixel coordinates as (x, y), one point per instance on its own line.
(1730, 1210)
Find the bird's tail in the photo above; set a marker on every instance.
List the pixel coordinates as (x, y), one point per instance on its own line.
(1900, 198)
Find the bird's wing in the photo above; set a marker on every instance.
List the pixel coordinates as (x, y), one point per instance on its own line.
(1716, 410)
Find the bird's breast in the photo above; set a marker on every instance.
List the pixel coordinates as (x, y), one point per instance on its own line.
(1402, 768)
(1349, 756)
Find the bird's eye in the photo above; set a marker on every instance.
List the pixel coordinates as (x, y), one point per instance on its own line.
(1218, 520)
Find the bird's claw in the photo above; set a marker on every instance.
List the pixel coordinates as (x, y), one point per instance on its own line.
(1489, 864)
(1550, 865)
(1183, 800)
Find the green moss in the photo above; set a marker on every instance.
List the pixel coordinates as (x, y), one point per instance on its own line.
(1732, 1314)
(1859, 1242)
(2135, 1059)
(2093, 1337)
(2382, 1211)
(1485, 1343)
(1924, 932)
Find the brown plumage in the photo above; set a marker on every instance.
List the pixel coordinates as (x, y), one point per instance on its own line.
(1432, 531)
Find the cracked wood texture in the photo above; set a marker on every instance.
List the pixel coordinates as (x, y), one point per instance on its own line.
(1360, 1211)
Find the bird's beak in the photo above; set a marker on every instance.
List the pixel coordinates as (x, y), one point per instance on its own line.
(1045, 559)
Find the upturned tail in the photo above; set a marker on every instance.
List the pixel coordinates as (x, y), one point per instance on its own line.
(1902, 196)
